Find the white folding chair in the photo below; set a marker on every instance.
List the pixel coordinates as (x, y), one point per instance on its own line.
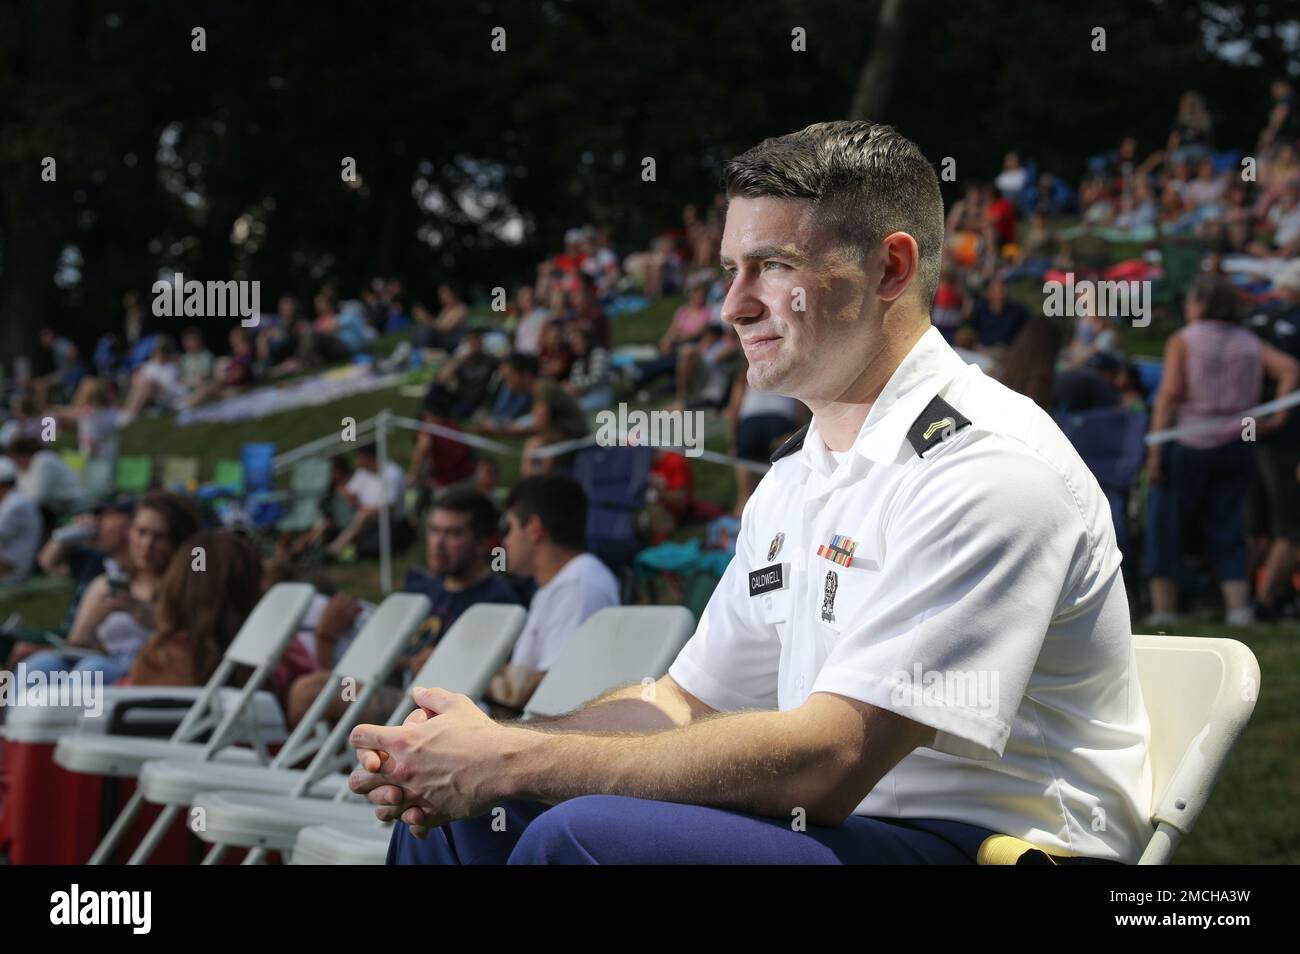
(259, 644)
(360, 673)
(473, 650)
(614, 647)
(1199, 695)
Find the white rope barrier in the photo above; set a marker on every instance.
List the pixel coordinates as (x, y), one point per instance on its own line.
(1201, 427)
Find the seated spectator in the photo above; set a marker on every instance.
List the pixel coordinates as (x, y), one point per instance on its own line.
(1002, 218)
(24, 422)
(1090, 387)
(1013, 178)
(196, 361)
(1093, 334)
(116, 615)
(199, 612)
(157, 381)
(546, 540)
(1191, 137)
(58, 370)
(532, 318)
(996, 317)
(46, 480)
(445, 329)
(462, 529)
(96, 419)
(589, 374)
(554, 359)
(94, 544)
(705, 368)
(439, 462)
(688, 324)
(1213, 371)
(367, 491)
(21, 527)
(234, 373)
(759, 421)
(588, 315)
(948, 312)
(467, 375)
(555, 415)
(1028, 365)
(277, 340)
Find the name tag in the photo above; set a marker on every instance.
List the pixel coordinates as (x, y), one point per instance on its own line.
(766, 579)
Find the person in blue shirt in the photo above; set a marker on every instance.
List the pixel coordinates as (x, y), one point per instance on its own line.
(996, 318)
(460, 534)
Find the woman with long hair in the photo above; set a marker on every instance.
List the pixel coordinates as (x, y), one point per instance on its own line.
(116, 615)
(199, 610)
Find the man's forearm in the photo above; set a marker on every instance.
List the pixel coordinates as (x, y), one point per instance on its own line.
(754, 762)
(618, 710)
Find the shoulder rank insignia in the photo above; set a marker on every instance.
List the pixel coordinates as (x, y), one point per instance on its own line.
(939, 421)
(794, 442)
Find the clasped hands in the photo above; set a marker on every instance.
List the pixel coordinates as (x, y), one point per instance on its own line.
(446, 762)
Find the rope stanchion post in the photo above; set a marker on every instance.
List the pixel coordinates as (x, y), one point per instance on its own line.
(385, 517)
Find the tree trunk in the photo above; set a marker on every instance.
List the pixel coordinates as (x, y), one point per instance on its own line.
(876, 81)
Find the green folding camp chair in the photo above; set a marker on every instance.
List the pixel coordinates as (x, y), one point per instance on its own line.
(97, 478)
(308, 483)
(134, 474)
(229, 474)
(75, 460)
(180, 471)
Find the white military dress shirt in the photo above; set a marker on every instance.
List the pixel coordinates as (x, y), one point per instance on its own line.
(968, 579)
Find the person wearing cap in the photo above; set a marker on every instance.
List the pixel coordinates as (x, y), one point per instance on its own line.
(92, 544)
(50, 483)
(1275, 497)
(21, 526)
(922, 642)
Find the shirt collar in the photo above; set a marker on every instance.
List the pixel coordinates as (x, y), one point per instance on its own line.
(929, 366)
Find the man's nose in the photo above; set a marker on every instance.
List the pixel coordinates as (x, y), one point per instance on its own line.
(740, 302)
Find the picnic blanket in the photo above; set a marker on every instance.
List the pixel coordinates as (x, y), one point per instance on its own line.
(307, 392)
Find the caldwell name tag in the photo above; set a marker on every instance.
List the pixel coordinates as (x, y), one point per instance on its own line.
(766, 579)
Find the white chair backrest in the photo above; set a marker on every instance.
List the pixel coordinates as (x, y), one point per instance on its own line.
(263, 635)
(1199, 694)
(615, 646)
(259, 644)
(473, 650)
(376, 648)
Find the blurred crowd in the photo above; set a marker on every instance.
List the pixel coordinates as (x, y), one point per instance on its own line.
(1214, 523)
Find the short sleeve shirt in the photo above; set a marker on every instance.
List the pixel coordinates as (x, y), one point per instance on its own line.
(958, 567)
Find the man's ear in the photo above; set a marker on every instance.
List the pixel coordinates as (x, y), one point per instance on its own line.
(902, 262)
(534, 529)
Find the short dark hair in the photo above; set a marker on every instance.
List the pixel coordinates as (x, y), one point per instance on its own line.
(1219, 296)
(867, 179)
(559, 502)
(483, 516)
(521, 363)
(25, 446)
(368, 450)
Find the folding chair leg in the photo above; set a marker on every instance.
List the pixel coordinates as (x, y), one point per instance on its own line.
(154, 835)
(214, 855)
(255, 856)
(108, 845)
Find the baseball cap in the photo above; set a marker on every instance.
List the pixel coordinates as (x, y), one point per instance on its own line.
(120, 503)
